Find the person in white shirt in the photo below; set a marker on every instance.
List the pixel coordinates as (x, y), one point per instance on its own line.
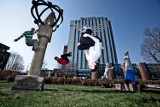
(93, 53)
(108, 69)
(130, 75)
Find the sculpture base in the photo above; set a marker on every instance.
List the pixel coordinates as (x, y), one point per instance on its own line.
(25, 82)
(125, 87)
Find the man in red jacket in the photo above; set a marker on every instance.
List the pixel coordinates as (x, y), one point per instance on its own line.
(64, 58)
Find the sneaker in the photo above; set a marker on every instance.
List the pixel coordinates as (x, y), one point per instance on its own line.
(35, 49)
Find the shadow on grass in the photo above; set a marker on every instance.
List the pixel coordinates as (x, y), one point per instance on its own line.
(118, 91)
(8, 90)
(112, 91)
(100, 91)
(152, 91)
(50, 89)
(148, 100)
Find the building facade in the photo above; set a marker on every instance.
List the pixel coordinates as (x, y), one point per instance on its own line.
(4, 55)
(102, 28)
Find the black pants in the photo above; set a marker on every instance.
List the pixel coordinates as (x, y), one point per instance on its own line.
(65, 56)
(86, 42)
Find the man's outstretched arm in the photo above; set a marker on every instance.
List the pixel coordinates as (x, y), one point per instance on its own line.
(15, 40)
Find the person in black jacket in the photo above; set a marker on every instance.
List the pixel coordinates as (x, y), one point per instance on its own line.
(86, 42)
(63, 60)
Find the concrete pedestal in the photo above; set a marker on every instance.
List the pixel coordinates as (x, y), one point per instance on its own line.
(125, 87)
(27, 82)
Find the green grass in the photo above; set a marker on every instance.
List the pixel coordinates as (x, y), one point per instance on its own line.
(75, 96)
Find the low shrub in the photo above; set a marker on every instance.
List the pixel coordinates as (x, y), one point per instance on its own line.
(10, 78)
(74, 81)
(9, 75)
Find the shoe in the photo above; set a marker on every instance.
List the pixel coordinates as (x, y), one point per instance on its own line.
(35, 49)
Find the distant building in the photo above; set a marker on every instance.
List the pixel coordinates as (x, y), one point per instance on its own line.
(102, 28)
(4, 55)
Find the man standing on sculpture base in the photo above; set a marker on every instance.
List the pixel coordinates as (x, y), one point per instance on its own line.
(130, 75)
(130, 81)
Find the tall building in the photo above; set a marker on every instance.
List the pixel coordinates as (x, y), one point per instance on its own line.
(102, 28)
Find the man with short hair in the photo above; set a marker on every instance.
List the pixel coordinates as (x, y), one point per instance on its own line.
(86, 42)
(29, 39)
(93, 53)
(64, 58)
(91, 45)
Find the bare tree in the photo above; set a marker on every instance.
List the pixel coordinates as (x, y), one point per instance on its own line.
(70, 65)
(15, 62)
(150, 48)
(70, 69)
(67, 70)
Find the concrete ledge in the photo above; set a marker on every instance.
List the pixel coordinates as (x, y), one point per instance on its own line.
(27, 82)
(125, 87)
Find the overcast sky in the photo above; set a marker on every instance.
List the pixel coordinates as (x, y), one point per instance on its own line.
(129, 18)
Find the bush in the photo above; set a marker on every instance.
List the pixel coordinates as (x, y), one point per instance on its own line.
(48, 80)
(9, 75)
(10, 78)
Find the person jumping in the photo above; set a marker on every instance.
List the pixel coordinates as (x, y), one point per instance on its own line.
(86, 42)
(29, 39)
(91, 45)
(64, 58)
(93, 53)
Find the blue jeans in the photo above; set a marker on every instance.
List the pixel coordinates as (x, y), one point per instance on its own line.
(32, 42)
(130, 76)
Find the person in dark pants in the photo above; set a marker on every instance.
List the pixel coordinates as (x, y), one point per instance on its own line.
(93, 53)
(86, 42)
(64, 58)
(91, 46)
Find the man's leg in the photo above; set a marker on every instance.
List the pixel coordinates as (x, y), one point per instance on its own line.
(32, 42)
(66, 55)
(83, 47)
(87, 41)
(29, 42)
(69, 54)
(35, 44)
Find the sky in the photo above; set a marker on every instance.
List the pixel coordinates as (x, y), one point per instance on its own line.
(129, 18)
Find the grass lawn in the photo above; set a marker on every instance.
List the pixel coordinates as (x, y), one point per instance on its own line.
(75, 96)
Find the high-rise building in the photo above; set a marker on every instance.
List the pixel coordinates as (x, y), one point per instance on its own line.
(102, 28)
